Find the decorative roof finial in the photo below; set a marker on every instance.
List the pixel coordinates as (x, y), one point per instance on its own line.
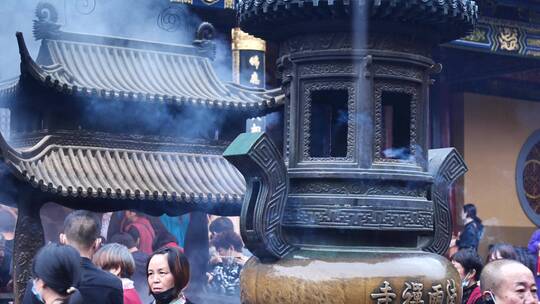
(205, 33)
(45, 25)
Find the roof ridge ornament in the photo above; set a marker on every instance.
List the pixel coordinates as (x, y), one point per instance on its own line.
(46, 26)
(205, 34)
(206, 31)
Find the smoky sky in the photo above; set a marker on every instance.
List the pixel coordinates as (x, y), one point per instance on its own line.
(156, 20)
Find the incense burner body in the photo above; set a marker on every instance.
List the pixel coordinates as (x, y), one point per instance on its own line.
(356, 205)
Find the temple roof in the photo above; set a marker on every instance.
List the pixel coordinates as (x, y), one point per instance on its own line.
(122, 69)
(8, 88)
(88, 169)
(451, 19)
(125, 173)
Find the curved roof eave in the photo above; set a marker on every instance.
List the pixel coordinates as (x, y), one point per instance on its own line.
(204, 90)
(204, 181)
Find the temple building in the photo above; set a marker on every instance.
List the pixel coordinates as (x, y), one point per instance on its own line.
(105, 123)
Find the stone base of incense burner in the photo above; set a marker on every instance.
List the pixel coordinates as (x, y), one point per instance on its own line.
(352, 277)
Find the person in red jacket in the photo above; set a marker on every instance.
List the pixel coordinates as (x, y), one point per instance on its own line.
(137, 221)
(117, 259)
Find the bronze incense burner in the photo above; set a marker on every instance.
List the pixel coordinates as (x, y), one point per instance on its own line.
(354, 210)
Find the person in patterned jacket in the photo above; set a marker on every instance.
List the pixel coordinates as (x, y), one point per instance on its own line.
(225, 275)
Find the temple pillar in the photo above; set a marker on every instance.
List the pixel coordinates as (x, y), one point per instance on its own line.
(196, 250)
(28, 240)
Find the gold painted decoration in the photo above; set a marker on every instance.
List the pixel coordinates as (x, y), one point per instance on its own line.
(509, 39)
(480, 34)
(248, 59)
(229, 4)
(254, 61)
(503, 37)
(533, 42)
(254, 79)
(244, 41)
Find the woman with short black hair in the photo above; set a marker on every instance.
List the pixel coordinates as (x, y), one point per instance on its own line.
(57, 271)
(168, 275)
(501, 251)
(469, 266)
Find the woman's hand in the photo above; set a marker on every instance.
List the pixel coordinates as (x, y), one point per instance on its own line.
(453, 241)
(240, 259)
(209, 276)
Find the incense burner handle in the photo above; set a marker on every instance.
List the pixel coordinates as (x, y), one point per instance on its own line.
(261, 163)
(446, 166)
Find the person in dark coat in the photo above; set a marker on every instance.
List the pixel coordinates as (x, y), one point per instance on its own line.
(473, 229)
(57, 271)
(81, 231)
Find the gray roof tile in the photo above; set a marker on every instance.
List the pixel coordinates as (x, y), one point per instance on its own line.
(130, 71)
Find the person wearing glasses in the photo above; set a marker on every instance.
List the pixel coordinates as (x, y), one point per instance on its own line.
(508, 282)
(168, 274)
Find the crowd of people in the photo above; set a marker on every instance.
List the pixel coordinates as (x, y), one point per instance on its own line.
(123, 257)
(509, 274)
(133, 258)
